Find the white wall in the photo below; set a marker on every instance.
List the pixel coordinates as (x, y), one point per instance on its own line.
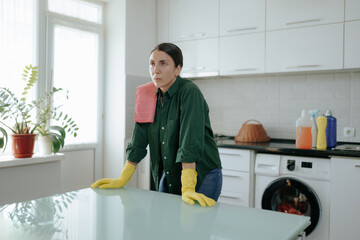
(130, 36)
(277, 101)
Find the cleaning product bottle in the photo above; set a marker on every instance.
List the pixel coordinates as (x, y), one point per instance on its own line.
(314, 130)
(330, 130)
(303, 131)
(321, 138)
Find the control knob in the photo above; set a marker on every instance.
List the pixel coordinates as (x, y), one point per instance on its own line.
(291, 165)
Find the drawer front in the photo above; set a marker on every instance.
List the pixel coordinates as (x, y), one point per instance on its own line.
(234, 159)
(236, 182)
(234, 198)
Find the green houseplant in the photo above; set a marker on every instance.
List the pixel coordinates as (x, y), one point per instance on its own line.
(23, 117)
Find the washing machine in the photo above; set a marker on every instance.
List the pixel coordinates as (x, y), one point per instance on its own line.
(295, 185)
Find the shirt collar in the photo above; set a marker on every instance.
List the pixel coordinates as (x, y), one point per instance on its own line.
(173, 88)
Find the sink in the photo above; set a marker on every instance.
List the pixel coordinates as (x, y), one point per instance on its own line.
(348, 147)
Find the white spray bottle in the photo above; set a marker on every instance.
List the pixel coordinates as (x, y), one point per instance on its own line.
(314, 129)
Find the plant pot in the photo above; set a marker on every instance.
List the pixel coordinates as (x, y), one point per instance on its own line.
(23, 145)
(45, 145)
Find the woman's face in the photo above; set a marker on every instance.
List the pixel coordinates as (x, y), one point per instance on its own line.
(162, 70)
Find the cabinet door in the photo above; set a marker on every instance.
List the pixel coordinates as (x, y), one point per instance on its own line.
(241, 16)
(344, 198)
(305, 49)
(193, 19)
(242, 54)
(352, 10)
(352, 46)
(201, 57)
(296, 13)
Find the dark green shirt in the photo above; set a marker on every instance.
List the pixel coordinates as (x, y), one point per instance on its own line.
(181, 132)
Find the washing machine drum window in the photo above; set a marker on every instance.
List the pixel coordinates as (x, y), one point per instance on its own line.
(292, 196)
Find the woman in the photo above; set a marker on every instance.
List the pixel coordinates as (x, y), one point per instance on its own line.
(183, 154)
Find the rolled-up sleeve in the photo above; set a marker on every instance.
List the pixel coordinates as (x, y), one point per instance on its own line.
(192, 126)
(136, 149)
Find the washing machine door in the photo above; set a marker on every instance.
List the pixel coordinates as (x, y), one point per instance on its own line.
(293, 196)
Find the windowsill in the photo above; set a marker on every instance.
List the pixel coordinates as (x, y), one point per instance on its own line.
(10, 161)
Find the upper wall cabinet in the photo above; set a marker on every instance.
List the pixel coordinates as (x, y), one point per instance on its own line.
(191, 19)
(305, 49)
(352, 47)
(282, 14)
(352, 10)
(201, 57)
(241, 16)
(242, 54)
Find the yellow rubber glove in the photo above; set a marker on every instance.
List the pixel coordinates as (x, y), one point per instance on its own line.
(125, 177)
(188, 182)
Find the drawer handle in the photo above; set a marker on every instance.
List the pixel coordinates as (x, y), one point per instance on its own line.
(267, 166)
(357, 165)
(304, 21)
(303, 66)
(229, 195)
(241, 29)
(230, 154)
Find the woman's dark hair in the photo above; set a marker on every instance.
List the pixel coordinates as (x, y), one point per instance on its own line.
(172, 50)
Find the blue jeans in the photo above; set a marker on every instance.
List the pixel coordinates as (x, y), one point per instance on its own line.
(210, 187)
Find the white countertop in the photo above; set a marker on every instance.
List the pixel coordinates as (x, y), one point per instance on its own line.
(134, 214)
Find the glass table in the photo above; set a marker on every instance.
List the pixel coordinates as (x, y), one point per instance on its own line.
(134, 214)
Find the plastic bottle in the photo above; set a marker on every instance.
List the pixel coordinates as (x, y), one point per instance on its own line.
(314, 130)
(330, 130)
(321, 138)
(303, 131)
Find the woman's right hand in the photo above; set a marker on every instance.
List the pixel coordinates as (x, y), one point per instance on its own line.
(125, 177)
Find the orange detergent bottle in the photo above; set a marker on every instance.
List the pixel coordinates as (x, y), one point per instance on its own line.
(303, 132)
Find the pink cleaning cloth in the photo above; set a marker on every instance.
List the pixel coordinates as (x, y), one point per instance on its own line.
(145, 103)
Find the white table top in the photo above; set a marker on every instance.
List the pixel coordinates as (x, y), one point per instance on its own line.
(134, 214)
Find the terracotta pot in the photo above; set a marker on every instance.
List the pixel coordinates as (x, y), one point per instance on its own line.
(23, 145)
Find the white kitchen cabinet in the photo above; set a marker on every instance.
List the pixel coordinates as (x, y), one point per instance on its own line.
(305, 49)
(352, 10)
(242, 54)
(351, 45)
(282, 14)
(201, 57)
(237, 176)
(241, 16)
(344, 198)
(190, 19)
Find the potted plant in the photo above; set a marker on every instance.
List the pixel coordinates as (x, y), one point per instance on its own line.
(25, 119)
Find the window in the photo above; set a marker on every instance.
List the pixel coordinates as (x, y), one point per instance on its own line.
(74, 60)
(67, 47)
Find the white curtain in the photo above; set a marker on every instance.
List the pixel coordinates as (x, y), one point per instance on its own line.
(17, 41)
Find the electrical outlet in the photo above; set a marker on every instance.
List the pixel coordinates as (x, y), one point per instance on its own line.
(349, 132)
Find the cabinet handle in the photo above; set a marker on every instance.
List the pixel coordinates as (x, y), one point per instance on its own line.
(194, 68)
(303, 66)
(241, 29)
(229, 195)
(244, 69)
(304, 21)
(231, 174)
(195, 35)
(357, 165)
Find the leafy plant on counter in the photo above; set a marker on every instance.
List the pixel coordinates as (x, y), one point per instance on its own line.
(33, 117)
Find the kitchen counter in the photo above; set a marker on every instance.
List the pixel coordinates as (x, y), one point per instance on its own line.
(286, 147)
(133, 214)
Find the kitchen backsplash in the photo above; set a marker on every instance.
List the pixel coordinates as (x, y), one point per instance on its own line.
(277, 100)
